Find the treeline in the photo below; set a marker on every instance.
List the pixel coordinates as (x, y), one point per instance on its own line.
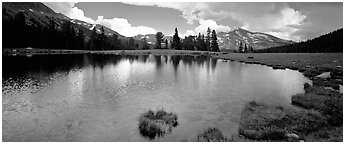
(244, 48)
(328, 43)
(199, 42)
(17, 33)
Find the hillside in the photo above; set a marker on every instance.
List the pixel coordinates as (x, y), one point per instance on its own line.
(231, 40)
(328, 43)
(39, 15)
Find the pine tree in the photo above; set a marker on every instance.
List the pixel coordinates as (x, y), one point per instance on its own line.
(251, 48)
(145, 46)
(115, 42)
(240, 48)
(245, 48)
(81, 39)
(159, 40)
(136, 46)
(199, 42)
(131, 43)
(93, 39)
(214, 43)
(102, 38)
(176, 43)
(208, 39)
(166, 44)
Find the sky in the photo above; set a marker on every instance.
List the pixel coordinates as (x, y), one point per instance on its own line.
(292, 21)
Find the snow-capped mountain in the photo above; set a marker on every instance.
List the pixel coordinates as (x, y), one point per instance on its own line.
(231, 40)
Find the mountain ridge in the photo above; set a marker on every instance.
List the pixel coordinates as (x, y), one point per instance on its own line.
(231, 40)
(40, 14)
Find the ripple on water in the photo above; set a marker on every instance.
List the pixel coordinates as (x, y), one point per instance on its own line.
(191, 117)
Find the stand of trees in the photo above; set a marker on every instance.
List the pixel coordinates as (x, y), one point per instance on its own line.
(18, 34)
(244, 49)
(328, 43)
(199, 42)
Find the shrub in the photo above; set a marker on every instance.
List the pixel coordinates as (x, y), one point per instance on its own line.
(153, 124)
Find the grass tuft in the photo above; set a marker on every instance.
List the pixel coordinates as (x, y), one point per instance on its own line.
(155, 124)
(212, 135)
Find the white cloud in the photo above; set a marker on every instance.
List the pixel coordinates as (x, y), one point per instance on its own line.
(68, 9)
(123, 27)
(191, 11)
(188, 32)
(203, 25)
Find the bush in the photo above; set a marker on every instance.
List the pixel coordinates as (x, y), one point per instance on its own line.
(156, 124)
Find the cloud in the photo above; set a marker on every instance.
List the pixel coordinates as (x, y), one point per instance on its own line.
(123, 27)
(275, 18)
(68, 9)
(293, 21)
(281, 24)
(191, 11)
(204, 24)
(120, 25)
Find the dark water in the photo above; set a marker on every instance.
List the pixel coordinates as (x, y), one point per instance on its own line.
(100, 97)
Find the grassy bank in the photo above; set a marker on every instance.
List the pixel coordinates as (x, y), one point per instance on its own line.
(319, 118)
(263, 122)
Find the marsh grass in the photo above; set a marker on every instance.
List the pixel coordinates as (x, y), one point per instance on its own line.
(273, 123)
(328, 102)
(212, 135)
(155, 124)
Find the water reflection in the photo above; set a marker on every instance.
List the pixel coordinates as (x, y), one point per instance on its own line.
(94, 97)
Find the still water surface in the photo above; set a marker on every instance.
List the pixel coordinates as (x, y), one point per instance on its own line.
(92, 97)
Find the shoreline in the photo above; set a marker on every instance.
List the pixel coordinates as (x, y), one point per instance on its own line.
(310, 64)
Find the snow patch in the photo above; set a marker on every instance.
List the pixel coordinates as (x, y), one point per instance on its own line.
(145, 37)
(237, 32)
(41, 12)
(92, 27)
